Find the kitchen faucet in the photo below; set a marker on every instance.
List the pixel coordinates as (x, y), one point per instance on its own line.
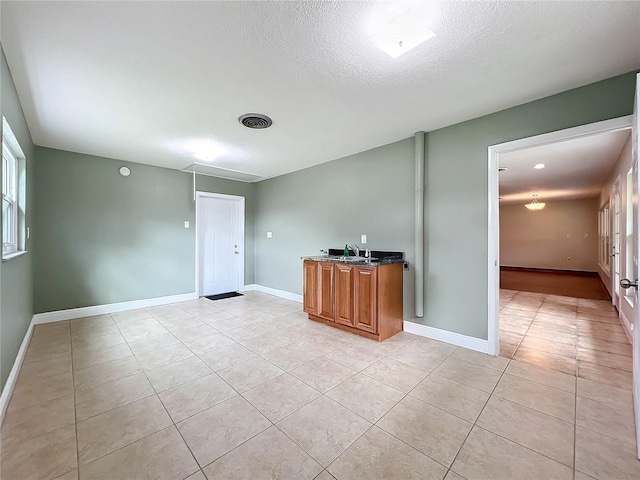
(356, 249)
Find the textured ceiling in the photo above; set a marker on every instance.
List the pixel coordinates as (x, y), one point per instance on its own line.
(155, 82)
(576, 168)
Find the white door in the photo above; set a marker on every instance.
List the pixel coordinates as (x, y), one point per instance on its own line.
(636, 255)
(220, 243)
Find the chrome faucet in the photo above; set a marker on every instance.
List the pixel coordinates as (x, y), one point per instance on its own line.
(355, 248)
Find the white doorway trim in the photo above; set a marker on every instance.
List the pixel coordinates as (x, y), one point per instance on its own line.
(615, 124)
(240, 199)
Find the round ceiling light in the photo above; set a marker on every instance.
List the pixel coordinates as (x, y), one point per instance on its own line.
(257, 121)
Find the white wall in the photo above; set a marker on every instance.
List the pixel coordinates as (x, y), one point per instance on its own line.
(562, 236)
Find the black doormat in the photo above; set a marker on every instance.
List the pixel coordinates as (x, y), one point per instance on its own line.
(220, 296)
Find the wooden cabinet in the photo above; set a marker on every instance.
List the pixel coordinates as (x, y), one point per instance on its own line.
(310, 287)
(345, 276)
(366, 300)
(325, 290)
(366, 289)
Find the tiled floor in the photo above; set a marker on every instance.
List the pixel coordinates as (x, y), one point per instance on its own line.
(248, 388)
(572, 335)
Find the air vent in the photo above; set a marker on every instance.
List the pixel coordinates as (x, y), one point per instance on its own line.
(256, 121)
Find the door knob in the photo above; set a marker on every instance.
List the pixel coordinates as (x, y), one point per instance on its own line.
(626, 283)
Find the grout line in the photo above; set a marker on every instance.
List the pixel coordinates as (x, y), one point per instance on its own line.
(575, 426)
(75, 409)
(476, 420)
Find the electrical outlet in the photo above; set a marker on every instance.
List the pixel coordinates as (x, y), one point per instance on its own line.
(269, 234)
(186, 224)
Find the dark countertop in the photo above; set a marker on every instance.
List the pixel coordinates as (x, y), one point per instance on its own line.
(373, 262)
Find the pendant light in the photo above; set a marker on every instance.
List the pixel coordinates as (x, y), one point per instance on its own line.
(535, 204)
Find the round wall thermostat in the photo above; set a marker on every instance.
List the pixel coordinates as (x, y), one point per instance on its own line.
(124, 171)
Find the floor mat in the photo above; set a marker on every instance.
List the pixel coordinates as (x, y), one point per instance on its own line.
(220, 296)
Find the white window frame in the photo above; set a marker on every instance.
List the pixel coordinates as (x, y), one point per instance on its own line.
(604, 233)
(13, 192)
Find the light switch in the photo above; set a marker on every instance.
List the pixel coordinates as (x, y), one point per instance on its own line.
(363, 239)
(186, 224)
(269, 234)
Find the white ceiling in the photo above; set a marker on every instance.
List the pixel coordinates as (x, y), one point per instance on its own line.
(152, 82)
(576, 168)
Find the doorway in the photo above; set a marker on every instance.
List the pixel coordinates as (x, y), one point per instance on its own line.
(495, 151)
(219, 243)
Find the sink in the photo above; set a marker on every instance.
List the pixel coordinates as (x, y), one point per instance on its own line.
(350, 259)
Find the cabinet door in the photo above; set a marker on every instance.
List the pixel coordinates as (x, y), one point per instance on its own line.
(365, 299)
(325, 290)
(345, 279)
(310, 287)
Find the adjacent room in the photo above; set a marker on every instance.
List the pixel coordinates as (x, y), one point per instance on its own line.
(561, 259)
(264, 240)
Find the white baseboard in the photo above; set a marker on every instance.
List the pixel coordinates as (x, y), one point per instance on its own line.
(453, 338)
(7, 391)
(110, 308)
(274, 291)
(626, 324)
(250, 287)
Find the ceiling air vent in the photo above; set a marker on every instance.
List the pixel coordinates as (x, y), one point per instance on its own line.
(257, 121)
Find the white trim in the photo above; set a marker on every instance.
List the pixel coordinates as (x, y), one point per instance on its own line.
(12, 379)
(250, 287)
(72, 313)
(551, 269)
(627, 325)
(493, 269)
(11, 256)
(274, 291)
(241, 201)
(453, 338)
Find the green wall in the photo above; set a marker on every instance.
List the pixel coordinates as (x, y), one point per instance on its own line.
(104, 238)
(331, 204)
(16, 277)
(456, 211)
(371, 192)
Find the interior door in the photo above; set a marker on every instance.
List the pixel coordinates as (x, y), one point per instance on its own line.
(220, 243)
(636, 254)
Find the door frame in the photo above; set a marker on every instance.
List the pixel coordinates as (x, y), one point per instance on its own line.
(241, 200)
(494, 151)
(616, 190)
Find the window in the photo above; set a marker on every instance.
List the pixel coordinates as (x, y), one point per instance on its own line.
(13, 194)
(605, 238)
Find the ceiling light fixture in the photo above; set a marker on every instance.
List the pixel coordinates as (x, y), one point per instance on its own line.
(539, 166)
(405, 32)
(535, 204)
(209, 152)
